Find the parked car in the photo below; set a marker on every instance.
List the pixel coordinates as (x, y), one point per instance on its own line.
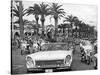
(58, 56)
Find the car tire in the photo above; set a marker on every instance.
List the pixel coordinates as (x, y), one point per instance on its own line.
(70, 68)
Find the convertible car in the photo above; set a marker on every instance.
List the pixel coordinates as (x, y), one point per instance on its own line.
(52, 56)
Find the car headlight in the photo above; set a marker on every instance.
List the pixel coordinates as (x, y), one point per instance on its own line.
(67, 59)
(30, 61)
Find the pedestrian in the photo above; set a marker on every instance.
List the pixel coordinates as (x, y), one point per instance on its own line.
(41, 43)
(23, 46)
(35, 46)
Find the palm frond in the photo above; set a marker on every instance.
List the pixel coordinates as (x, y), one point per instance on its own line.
(58, 6)
(24, 12)
(15, 12)
(56, 10)
(16, 1)
(17, 15)
(33, 10)
(17, 7)
(44, 9)
(61, 15)
(29, 11)
(17, 22)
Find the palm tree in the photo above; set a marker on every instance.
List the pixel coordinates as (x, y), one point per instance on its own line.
(44, 11)
(82, 29)
(77, 24)
(56, 12)
(71, 19)
(35, 10)
(19, 12)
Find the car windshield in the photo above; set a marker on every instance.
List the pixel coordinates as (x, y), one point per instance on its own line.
(56, 46)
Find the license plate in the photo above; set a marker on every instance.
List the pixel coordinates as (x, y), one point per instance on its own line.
(48, 70)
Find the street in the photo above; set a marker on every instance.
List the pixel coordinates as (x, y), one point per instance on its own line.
(18, 63)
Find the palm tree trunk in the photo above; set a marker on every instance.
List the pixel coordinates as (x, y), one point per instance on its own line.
(55, 24)
(21, 20)
(76, 32)
(71, 28)
(37, 21)
(37, 18)
(79, 34)
(42, 21)
(56, 27)
(68, 31)
(11, 19)
(43, 27)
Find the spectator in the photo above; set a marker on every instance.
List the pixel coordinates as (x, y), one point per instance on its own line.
(23, 44)
(35, 46)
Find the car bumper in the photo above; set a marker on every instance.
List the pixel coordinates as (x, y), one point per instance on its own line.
(51, 68)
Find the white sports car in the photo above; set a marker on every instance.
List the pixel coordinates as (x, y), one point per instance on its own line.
(59, 56)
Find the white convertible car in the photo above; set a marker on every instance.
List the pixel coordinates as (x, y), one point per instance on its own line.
(52, 56)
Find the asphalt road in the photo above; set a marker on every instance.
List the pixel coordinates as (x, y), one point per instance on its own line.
(18, 63)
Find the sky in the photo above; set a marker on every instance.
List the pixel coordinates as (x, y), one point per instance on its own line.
(86, 13)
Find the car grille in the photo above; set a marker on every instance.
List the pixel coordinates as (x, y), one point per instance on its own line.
(49, 63)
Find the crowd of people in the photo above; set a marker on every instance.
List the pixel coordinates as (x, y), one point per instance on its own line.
(32, 45)
(89, 52)
(35, 42)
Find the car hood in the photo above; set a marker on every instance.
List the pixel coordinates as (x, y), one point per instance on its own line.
(50, 55)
